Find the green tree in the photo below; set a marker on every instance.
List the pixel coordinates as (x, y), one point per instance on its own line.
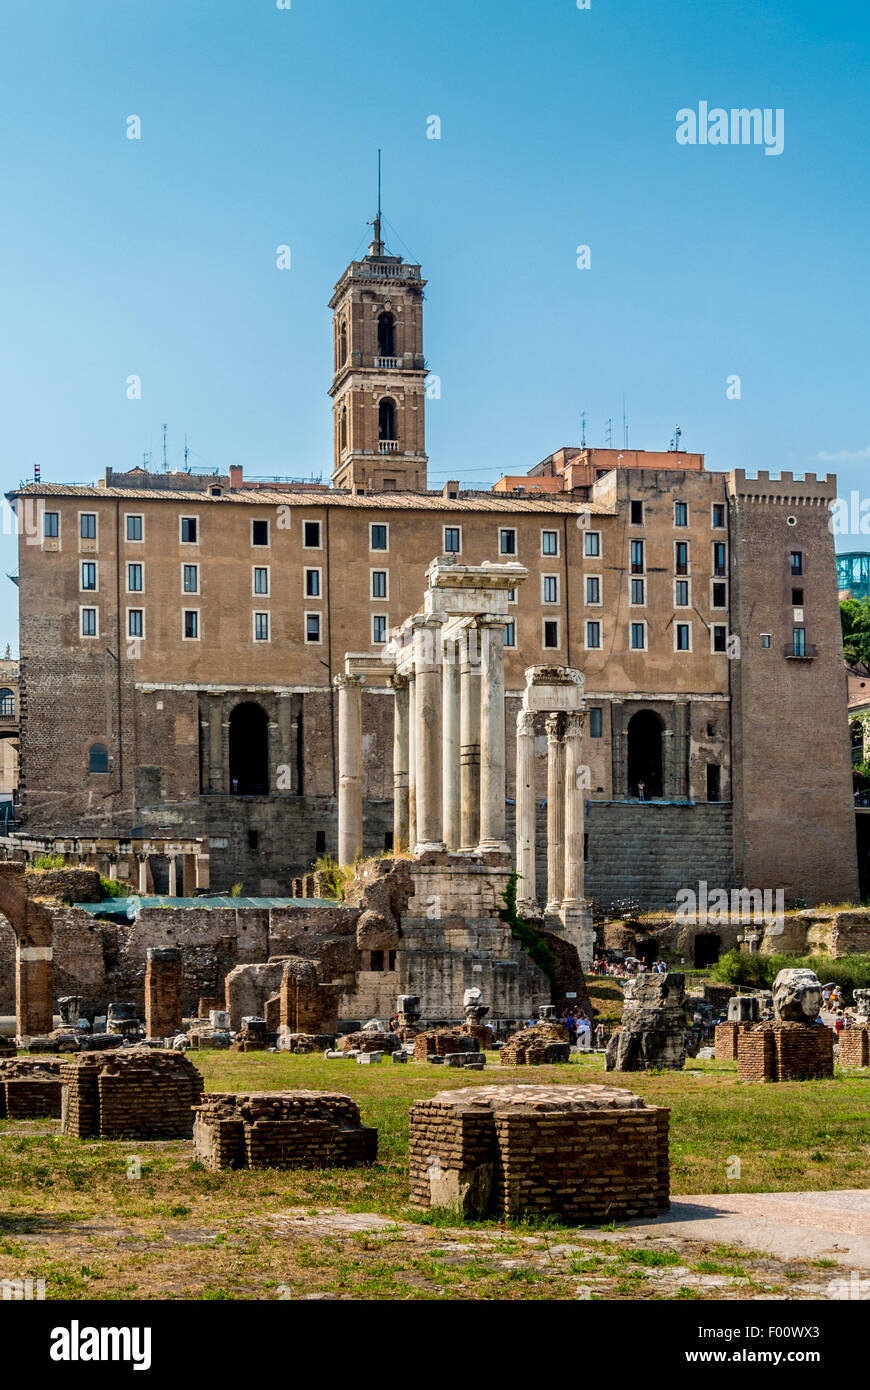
(855, 618)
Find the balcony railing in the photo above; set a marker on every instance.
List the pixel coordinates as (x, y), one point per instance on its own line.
(388, 362)
(388, 446)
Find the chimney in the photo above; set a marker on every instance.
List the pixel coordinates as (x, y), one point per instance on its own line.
(450, 489)
(236, 475)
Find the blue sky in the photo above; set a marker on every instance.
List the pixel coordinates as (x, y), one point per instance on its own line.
(260, 128)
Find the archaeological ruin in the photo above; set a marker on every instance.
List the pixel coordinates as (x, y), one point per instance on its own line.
(282, 1129)
(796, 1046)
(135, 1093)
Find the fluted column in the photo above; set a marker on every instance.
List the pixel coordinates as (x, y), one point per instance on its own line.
(575, 807)
(526, 894)
(469, 738)
(427, 673)
(401, 751)
(555, 814)
(350, 822)
(412, 762)
(452, 803)
(493, 828)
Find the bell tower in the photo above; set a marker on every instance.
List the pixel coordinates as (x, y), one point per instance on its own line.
(378, 389)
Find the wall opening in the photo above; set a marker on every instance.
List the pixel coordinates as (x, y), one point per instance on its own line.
(708, 945)
(249, 750)
(645, 755)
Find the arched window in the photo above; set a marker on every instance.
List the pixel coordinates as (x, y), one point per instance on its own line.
(98, 758)
(342, 429)
(645, 755)
(249, 750)
(386, 335)
(387, 419)
(342, 343)
(7, 702)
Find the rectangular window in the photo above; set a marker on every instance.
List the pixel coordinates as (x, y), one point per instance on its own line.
(681, 557)
(89, 575)
(190, 579)
(596, 722)
(549, 588)
(135, 579)
(51, 525)
(512, 596)
(135, 622)
(681, 514)
(637, 566)
(637, 513)
(312, 583)
(89, 622)
(134, 528)
(259, 533)
(190, 624)
(189, 530)
(720, 596)
(88, 526)
(510, 634)
(720, 637)
(549, 542)
(379, 628)
(638, 637)
(261, 579)
(261, 627)
(379, 537)
(311, 535)
(719, 558)
(593, 636)
(593, 588)
(797, 562)
(714, 782)
(718, 515)
(550, 634)
(312, 627)
(507, 542)
(379, 584)
(452, 540)
(765, 640)
(799, 641)
(683, 637)
(638, 593)
(593, 543)
(797, 598)
(681, 593)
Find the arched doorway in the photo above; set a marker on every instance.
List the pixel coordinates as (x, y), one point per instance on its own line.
(645, 755)
(249, 750)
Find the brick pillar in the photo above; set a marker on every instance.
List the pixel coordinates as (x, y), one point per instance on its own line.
(34, 990)
(163, 975)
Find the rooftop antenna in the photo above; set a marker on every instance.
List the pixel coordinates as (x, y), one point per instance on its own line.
(624, 426)
(608, 430)
(583, 428)
(164, 449)
(186, 452)
(675, 442)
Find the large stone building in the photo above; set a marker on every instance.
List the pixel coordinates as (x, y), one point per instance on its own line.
(180, 636)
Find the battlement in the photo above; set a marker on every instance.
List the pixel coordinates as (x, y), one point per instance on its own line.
(785, 487)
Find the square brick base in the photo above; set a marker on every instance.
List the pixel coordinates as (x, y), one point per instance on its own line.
(855, 1047)
(786, 1052)
(725, 1040)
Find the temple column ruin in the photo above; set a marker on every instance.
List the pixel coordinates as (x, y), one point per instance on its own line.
(492, 736)
(163, 987)
(173, 877)
(450, 740)
(427, 674)
(526, 893)
(350, 820)
(555, 814)
(575, 808)
(143, 874)
(412, 761)
(469, 737)
(401, 751)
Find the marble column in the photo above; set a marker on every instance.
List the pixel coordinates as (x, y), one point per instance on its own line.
(412, 762)
(493, 829)
(143, 875)
(555, 814)
(469, 737)
(450, 697)
(575, 807)
(526, 894)
(216, 776)
(350, 826)
(401, 750)
(427, 675)
(173, 877)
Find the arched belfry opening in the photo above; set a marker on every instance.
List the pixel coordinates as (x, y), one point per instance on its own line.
(645, 755)
(386, 335)
(249, 750)
(387, 419)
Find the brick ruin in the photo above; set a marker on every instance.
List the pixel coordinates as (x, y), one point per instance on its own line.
(855, 1040)
(795, 1047)
(30, 1088)
(545, 1043)
(743, 1011)
(163, 986)
(582, 1153)
(139, 1093)
(286, 1129)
